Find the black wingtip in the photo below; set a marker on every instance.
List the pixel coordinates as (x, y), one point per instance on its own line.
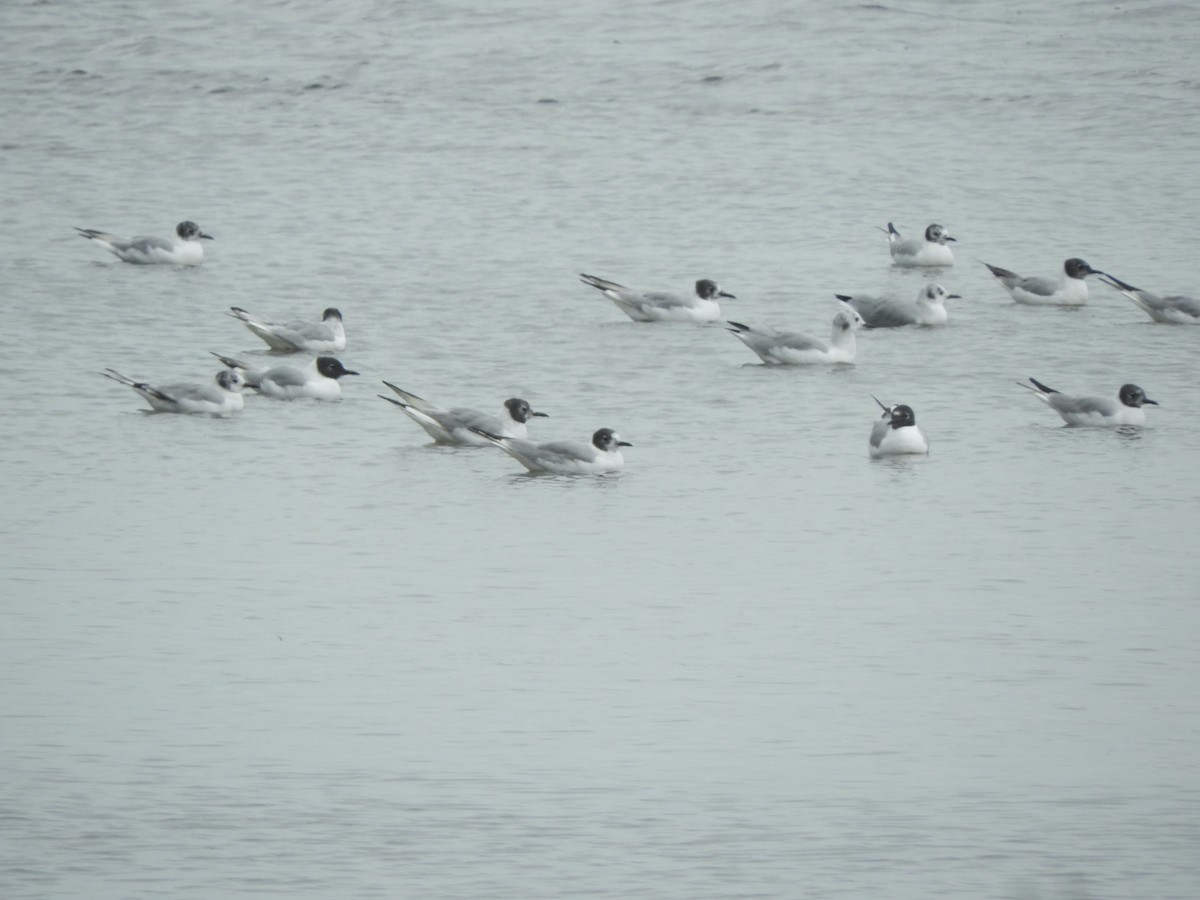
(845, 298)
(487, 434)
(1041, 387)
(1113, 281)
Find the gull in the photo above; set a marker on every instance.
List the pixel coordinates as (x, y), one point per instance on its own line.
(794, 348)
(221, 397)
(602, 455)
(929, 250)
(896, 432)
(462, 425)
(318, 380)
(1173, 309)
(326, 336)
(1123, 409)
(701, 306)
(928, 308)
(184, 250)
(1069, 289)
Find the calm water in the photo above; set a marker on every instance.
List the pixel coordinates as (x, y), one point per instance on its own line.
(304, 653)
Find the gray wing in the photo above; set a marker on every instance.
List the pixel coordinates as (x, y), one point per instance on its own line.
(879, 431)
(143, 244)
(285, 376)
(795, 340)
(1039, 285)
(193, 392)
(880, 312)
(572, 450)
(765, 340)
(659, 299)
(304, 331)
(1187, 305)
(1082, 406)
(465, 417)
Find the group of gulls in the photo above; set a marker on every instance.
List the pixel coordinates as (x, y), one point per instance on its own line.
(894, 433)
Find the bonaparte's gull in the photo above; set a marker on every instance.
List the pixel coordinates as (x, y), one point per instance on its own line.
(928, 308)
(602, 455)
(929, 250)
(896, 432)
(1123, 409)
(794, 348)
(1175, 309)
(1069, 289)
(184, 250)
(701, 306)
(462, 425)
(318, 380)
(326, 336)
(221, 397)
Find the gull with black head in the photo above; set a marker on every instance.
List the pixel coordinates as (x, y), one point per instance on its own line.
(654, 306)
(1123, 409)
(896, 432)
(1069, 289)
(462, 425)
(318, 380)
(599, 457)
(184, 249)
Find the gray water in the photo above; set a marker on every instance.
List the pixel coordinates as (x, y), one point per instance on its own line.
(302, 652)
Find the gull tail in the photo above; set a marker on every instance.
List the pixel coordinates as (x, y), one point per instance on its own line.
(999, 272)
(600, 284)
(410, 399)
(1037, 387)
(231, 362)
